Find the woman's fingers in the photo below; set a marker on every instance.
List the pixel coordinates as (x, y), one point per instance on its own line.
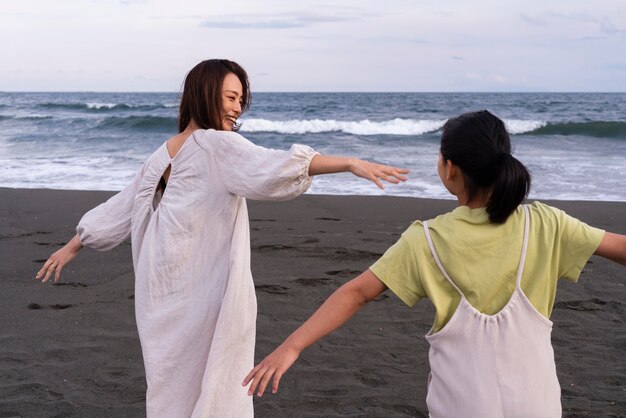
(58, 260)
(50, 266)
(57, 273)
(48, 273)
(398, 173)
(375, 179)
(388, 179)
(395, 172)
(44, 268)
(389, 174)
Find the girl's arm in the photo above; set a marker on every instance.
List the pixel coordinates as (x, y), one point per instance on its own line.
(337, 309)
(613, 247)
(326, 164)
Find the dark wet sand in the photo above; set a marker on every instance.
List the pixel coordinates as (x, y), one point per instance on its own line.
(71, 349)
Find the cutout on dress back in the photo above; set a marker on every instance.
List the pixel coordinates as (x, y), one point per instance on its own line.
(160, 188)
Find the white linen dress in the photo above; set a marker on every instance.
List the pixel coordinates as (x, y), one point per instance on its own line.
(194, 296)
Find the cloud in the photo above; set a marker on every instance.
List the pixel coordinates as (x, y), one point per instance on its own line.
(576, 17)
(545, 19)
(617, 66)
(591, 38)
(607, 26)
(535, 21)
(280, 21)
(457, 58)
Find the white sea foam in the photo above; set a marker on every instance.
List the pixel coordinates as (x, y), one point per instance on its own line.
(396, 126)
(34, 116)
(97, 105)
(363, 127)
(518, 126)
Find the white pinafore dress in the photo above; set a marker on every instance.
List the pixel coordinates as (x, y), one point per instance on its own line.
(493, 366)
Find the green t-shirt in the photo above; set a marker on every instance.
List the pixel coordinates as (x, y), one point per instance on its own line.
(482, 259)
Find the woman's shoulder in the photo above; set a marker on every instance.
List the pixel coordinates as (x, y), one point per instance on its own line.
(212, 140)
(213, 135)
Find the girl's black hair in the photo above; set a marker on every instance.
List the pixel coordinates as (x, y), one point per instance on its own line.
(479, 144)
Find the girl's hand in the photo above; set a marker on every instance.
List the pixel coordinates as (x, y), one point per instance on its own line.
(58, 260)
(274, 365)
(377, 172)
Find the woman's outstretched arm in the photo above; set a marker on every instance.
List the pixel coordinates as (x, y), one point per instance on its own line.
(336, 310)
(613, 247)
(326, 164)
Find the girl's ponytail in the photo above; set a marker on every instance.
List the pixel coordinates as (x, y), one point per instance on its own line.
(509, 190)
(479, 144)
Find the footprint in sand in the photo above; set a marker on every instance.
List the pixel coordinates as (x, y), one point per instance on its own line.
(273, 247)
(371, 378)
(50, 244)
(272, 288)
(36, 390)
(58, 306)
(314, 281)
(343, 273)
(355, 255)
(581, 305)
(70, 284)
(372, 240)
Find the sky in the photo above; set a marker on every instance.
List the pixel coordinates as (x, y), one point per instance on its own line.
(308, 46)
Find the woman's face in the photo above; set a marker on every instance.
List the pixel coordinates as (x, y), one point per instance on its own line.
(232, 97)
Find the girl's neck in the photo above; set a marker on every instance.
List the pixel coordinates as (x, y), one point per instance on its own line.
(479, 201)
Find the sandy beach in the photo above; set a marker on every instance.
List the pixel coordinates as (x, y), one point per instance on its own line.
(71, 349)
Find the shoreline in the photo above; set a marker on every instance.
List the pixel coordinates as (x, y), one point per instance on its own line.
(549, 201)
(71, 349)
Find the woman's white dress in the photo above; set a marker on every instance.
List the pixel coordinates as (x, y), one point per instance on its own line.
(194, 296)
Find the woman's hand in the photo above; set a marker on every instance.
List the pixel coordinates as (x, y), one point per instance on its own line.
(273, 366)
(377, 172)
(328, 164)
(58, 260)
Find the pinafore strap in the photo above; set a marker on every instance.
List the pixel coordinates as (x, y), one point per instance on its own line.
(520, 268)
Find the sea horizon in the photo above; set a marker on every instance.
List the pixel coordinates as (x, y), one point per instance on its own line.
(97, 140)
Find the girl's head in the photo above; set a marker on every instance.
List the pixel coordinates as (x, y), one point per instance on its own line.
(479, 145)
(215, 94)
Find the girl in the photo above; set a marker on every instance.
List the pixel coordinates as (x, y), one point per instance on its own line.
(490, 268)
(186, 214)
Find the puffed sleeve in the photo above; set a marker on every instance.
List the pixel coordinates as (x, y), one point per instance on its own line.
(108, 224)
(259, 173)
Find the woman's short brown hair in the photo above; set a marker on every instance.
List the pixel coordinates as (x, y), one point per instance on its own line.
(202, 94)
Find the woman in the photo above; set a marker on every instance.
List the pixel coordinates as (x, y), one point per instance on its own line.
(186, 214)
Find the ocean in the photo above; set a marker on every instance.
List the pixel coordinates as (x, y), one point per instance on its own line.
(573, 143)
